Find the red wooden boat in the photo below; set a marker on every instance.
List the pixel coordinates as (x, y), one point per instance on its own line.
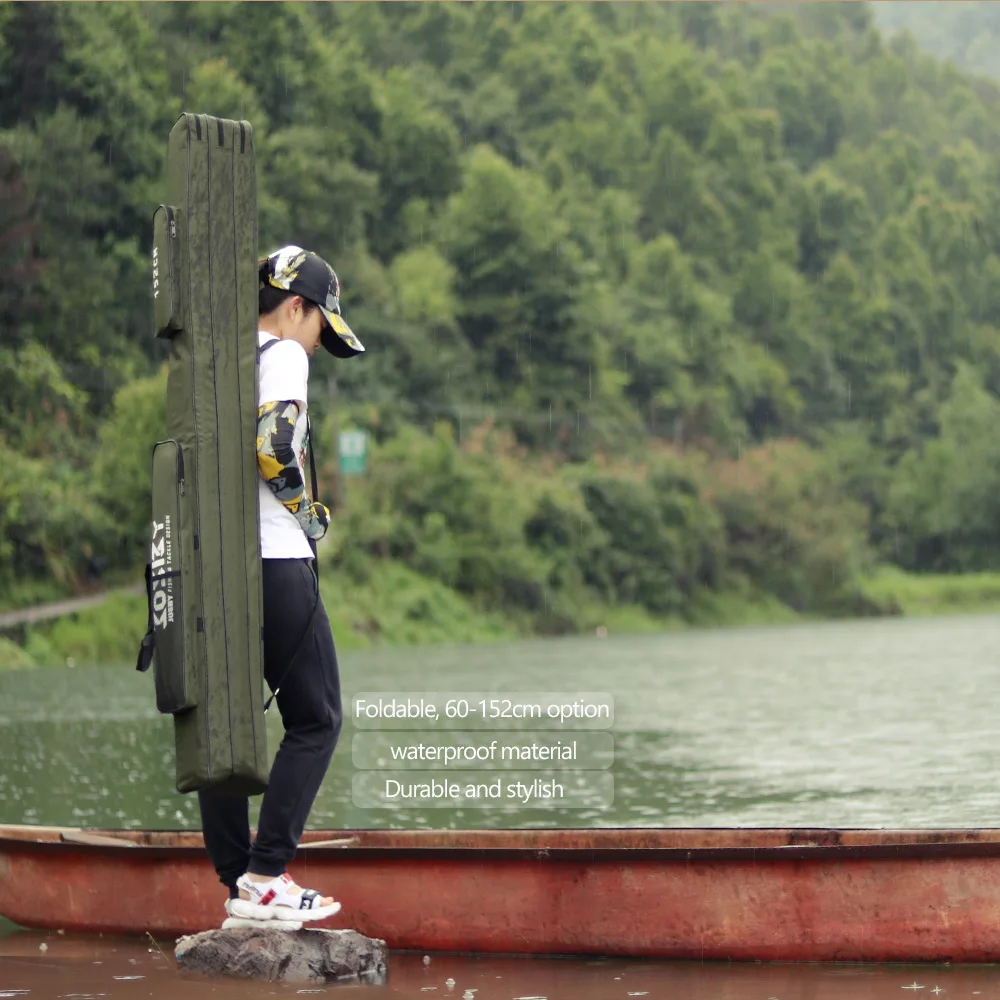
(772, 895)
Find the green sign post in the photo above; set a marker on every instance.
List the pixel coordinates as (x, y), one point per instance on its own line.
(353, 452)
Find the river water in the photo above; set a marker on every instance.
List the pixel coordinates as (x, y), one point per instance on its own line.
(874, 723)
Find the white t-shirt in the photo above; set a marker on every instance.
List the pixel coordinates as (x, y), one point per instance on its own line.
(284, 374)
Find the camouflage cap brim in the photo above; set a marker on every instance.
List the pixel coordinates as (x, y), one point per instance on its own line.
(349, 344)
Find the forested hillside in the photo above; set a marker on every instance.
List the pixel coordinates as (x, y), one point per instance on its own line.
(664, 303)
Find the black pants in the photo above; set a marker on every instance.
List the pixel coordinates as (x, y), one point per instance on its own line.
(309, 701)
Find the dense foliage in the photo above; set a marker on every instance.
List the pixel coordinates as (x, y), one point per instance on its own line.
(663, 301)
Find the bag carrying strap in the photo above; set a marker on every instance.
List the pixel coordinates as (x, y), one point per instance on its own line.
(145, 657)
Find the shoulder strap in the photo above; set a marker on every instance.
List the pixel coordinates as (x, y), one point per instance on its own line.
(265, 347)
(315, 486)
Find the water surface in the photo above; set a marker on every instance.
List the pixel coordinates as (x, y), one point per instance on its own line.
(874, 723)
(94, 969)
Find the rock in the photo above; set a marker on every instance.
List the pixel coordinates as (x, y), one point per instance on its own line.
(304, 956)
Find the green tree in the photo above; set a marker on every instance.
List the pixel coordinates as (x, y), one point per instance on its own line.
(944, 504)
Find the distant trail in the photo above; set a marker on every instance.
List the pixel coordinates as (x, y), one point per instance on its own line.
(42, 612)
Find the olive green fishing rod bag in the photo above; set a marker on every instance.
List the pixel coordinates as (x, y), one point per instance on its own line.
(203, 578)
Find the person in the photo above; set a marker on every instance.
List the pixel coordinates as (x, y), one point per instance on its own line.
(299, 311)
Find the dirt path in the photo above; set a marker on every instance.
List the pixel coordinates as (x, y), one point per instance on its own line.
(42, 612)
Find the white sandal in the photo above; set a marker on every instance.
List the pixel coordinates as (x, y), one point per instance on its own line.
(232, 923)
(272, 901)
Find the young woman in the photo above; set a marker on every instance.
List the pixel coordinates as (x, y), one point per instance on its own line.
(299, 307)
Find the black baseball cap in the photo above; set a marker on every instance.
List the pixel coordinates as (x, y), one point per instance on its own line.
(307, 274)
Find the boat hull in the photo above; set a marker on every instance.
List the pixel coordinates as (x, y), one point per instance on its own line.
(687, 894)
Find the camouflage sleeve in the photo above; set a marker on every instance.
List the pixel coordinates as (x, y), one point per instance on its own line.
(281, 466)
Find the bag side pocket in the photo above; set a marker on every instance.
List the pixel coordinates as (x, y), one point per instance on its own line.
(168, 573)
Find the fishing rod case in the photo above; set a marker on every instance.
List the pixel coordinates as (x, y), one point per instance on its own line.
(203, 579)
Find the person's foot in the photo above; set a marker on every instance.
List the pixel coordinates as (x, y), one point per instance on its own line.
(291, 889)
(266, 898)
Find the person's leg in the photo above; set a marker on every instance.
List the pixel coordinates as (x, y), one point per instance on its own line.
(310, 704)
(289, 592)
(225, 823)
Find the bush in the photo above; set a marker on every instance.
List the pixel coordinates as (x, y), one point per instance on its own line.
(790, 530)
(446, 513)
(50, 523)
(662, 540)
(551, 545)
(14, 657)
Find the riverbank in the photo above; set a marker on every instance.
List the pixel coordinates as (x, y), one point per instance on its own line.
(938, 594)
(397, 606)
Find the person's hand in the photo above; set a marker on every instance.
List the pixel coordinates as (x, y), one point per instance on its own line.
(319, 520)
